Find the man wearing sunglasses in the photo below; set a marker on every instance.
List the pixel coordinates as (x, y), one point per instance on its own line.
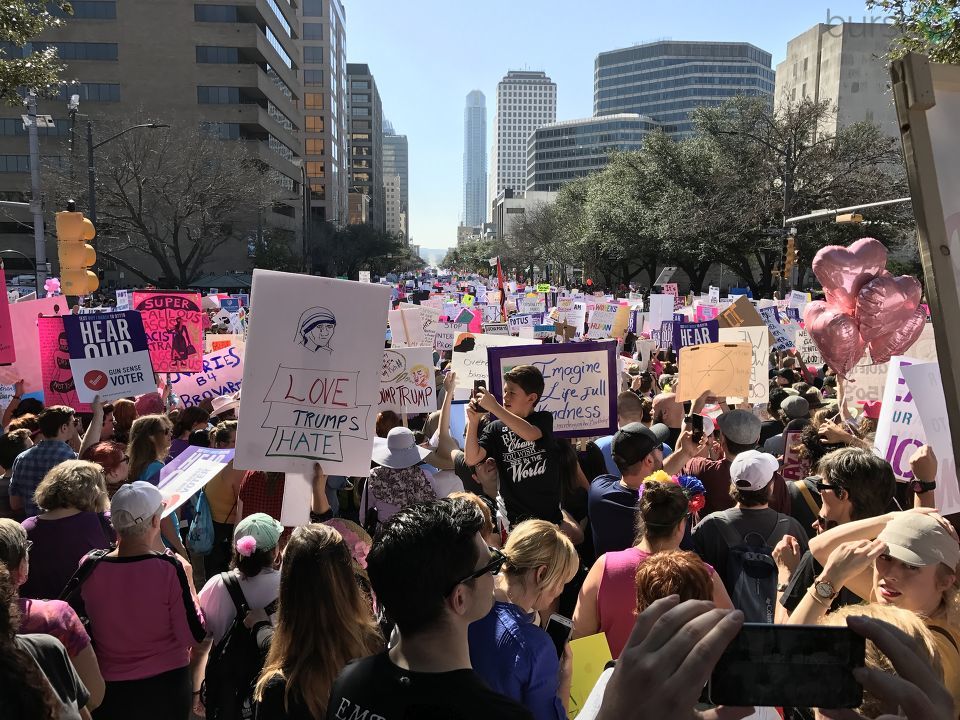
(432, 575)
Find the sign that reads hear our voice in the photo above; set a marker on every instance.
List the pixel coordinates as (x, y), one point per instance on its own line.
(109, 355)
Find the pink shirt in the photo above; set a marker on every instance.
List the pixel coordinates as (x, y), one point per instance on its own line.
(143, 616)
(53, 617)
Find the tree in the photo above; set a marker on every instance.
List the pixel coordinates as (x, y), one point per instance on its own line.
(345, 251)
(175, 196)
(20, 22)
(272, 252)
(928, 27)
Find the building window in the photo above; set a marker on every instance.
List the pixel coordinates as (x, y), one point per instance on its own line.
(313, 54)
(315, 146)
(14, 163)
(92, 92)
(82, 50)
(312, 8)
(360, 85)
(314, 123)
(360, 98)
(312, 31)
(87, 10)
(313, 101)
(277, 115)
(360, 111)
(215, 13)
(272, 39)
(217, 95)
(313, 78)
(279, 15)
(315, 169)
(223, 131)
(209, 54)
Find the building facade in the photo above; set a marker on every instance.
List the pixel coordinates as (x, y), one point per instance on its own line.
(394, 215)
(396, 162)
(265, 73)
(509, 207)
(561, 152)
(475, 159)
(525, 101)
(667, 80)
(366, 142)
(842, 64)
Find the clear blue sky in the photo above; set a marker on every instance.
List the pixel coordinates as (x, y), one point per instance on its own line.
(426, 55)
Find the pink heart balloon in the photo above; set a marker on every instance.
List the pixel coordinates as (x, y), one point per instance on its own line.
(843, 271)
(837, 334)
(885, 304)
(900, 340)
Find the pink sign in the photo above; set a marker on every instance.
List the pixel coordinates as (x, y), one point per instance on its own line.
(58, 387)
(706, 312)
(794, 467)
(174, 325)
(8, 352)
(23, 321)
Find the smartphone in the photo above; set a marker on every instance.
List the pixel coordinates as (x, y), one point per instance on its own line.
(789, 666)
(478, 385)
(559, 629)
(695, 422)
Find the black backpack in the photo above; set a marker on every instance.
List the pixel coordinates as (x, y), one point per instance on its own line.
(234, 663)
(751, 577)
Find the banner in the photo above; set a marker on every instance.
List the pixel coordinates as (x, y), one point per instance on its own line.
(470, 359)
(722, 369)
(8, 353)
(580, 383)
(407, 381)
(186, 474)
(222, 374)
(759, 339)
(109, 356)
(311, 373)
(58, 385)
(23, 321)
(174, 326)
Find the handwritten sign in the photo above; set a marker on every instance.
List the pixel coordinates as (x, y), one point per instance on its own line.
(58, 384)
(867, 380)
(603, 320)
(780, 333)
(447, 333)
(580, 383)
(470, 361)
(212, 342)
(723, 369)
(311, 374)
(222, 374)
(363, 276)
(671, 289)
(189, 472)
(174, 326)
(109, 355)
(406, 327)
(407, 383)
(759, 340)
(23, 319)
(808, 349)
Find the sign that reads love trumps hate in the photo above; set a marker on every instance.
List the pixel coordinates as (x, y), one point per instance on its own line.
(109, 356)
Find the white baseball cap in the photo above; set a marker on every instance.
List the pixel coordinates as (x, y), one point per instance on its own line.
(133, 504)
(753, 470)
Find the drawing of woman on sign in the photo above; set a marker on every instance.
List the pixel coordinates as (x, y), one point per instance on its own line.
(181, 348)
(317, 326)
(62, 382)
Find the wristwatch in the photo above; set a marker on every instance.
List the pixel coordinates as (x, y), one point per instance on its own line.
(824, 589)
(920, 486)
(782, 587)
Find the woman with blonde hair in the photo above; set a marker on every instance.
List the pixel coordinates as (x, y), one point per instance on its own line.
(508, 650)
(149, 449)
(73, 498)
(323, 622)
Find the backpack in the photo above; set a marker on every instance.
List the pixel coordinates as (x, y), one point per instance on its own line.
(234, 663)
(751, 577)
(71, 591)
(200, 535)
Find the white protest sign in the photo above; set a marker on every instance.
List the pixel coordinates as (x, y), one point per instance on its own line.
(222, 374)
(406, 327)
(665, 275)
(123, 299)
(601, 321)
(797, 300)
(213, 342)
(363, 276)
(311, 374)
(407, 383)
(496, 328)
(577, 317)
(517, 322)
(470, 359)
(109, 355)
(866, 381)
(923, 381)
(809, 352)
(186, 474)
(899, 430)
(297, 495)
(759, 339)
(661, 311)
(713, 298)
(446, 333)
(781, 335)
(531, 305)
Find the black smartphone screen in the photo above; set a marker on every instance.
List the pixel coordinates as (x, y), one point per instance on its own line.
(559, 632)
(696, 426)
(790, 666)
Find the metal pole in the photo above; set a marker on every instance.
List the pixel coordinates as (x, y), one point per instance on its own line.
(840, 211)
(36, 200)
(91, 177)
(306, 217)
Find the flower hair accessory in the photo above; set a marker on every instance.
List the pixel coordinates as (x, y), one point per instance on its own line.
(694, 490)
(247, 545)
(659, 476)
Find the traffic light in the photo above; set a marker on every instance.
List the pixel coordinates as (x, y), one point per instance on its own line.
(791, 256)
(76, 256)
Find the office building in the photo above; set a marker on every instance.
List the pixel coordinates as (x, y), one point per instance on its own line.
(394, 215)
(842, 64)
(266, 73)
(366, 143)
(475, 159)
(667, 80)
(525, 101)
(396, 162)
(509, 207)
(560, 152)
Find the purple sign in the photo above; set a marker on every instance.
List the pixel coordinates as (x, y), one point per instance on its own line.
(697, 333)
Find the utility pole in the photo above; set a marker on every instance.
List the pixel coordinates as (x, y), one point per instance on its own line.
(787, 200)
(92, 177)
(36, 200)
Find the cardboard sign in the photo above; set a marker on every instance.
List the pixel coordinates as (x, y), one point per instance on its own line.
(580, 383)
(58, 384)
(23, 320)
(590, 656)
(109, 355)
(759, 340)
(186, 474)
(741, 313)
(222, 375)
(311, 374)
(407, 383)
(470, 361)
(723, 369)
(212, 343)
(174, 326)
(8, 352)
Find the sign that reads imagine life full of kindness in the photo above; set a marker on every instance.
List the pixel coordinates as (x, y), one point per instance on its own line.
(579, 383)
(407, 383)
(174, 325)
(311, 374)
(109, 355)
(222, 374)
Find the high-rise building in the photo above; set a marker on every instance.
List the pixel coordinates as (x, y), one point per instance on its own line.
(842, 64)
(475, 159)
(560, 152)
(396, 162)
(667, 80)
(269, 74)
(391, 194)
(525, 101)
(366, 142)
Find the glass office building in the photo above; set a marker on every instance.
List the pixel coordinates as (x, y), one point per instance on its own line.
(667, 80)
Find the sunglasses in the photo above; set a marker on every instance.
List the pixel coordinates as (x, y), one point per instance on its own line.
(824, 524)
(822, 486)
(497, 559)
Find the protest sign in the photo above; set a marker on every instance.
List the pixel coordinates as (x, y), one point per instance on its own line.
(297, 495)
(665, 275)
(520, 320)
(590, 657)
(8, 352)
(123, 299)
(723, 369)
(899, 429)
(564, 306)
(759, 340)
(491, 313)
(580, 383)
(496, 328)
(794, 466)
(230, 304)
(661, 310)
(311, 374)
(212, 342)
(713, 297)
(109, 355)
(866, 381)
(699, 333)
(577, 317)
(407, 383)
(924, 383)
(446, 334)
(470, 359)
(807, 348)
(529, 305)
(406, 327)
(797, 300)
(429, 319)
(222, 374)
(23, 321)
(779, 332)
(607, 320)
(59, 387)
(187, 473)
(363, 276)
(174, 326)
(671, 289)
(741, 313)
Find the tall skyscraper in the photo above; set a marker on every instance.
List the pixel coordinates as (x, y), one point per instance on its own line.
(396, 162)
(366, 143)
(475, 159)
(667, 80)
(844, 65)
(394, 217)
(525, 101)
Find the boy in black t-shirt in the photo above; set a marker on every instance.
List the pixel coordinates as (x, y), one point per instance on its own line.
(521, 442)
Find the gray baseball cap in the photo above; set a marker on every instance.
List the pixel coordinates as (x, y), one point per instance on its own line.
(740, 426)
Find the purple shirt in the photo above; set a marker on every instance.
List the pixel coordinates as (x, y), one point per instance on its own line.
(58, 547)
